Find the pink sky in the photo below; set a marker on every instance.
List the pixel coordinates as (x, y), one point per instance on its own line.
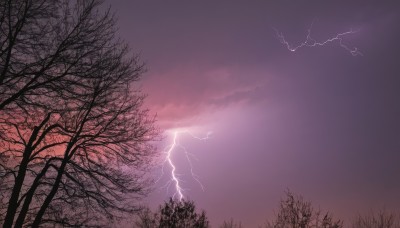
(318, 121)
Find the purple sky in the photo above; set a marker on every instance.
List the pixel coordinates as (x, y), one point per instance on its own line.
(318, 121)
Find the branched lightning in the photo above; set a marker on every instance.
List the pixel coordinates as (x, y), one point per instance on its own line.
(169, 150)
(310, 42)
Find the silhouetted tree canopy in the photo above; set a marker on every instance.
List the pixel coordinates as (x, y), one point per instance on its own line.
(295, 212)
(74, 138)
(173, 214)
(231, 224)
(381, 219)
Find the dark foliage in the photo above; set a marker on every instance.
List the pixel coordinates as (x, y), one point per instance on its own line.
(174, 214)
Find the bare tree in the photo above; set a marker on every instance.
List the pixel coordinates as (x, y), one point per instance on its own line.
(74, 137)
(147, 219)
(382, 219)
(174, 214)
(231, 224)
(180, 214)
(295, 212)
(45, 46)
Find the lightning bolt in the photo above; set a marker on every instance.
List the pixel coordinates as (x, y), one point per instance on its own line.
(310, 42)
(169, 150)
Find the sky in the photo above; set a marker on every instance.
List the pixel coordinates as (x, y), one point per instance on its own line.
(318, 121)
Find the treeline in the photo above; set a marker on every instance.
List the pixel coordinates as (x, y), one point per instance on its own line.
(294, 212)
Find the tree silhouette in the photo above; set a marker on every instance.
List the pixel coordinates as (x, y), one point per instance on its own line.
(231, 224)
(381, 219)
(74, 137)
(174, 214)
(147, 219)
(180, 214)
(295, 212)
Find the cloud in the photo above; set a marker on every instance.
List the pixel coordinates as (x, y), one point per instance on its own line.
(184, 94)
